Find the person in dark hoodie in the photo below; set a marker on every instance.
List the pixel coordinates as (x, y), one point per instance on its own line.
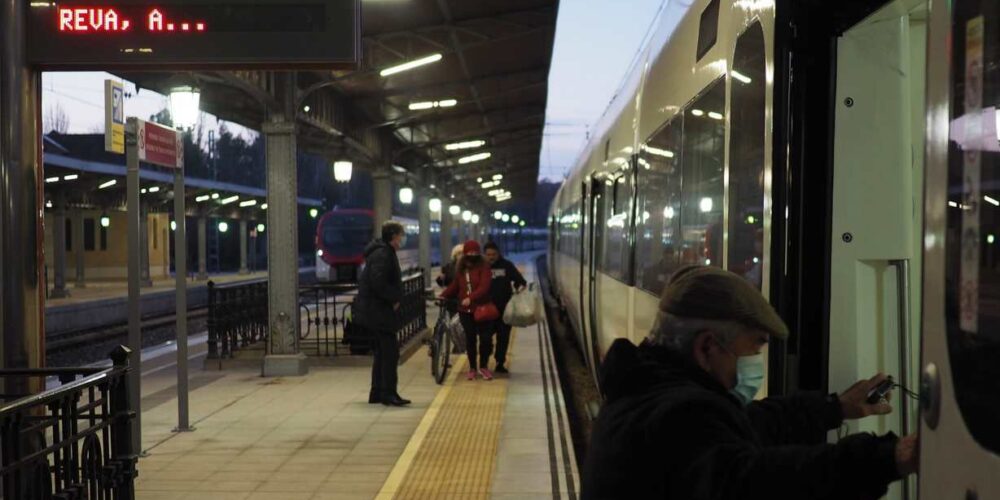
(680, 421)
(506, 278)
(376, 308)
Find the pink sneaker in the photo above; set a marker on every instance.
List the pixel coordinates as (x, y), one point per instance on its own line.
(471, 375)
(486, 373)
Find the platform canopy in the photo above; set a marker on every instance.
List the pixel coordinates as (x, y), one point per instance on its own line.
(489, 85)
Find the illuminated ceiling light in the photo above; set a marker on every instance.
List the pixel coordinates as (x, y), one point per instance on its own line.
(447, 103)
(658, 151)
(479, 179)
(416, 63)
(668, 212)
(522, 224)
(248, 203)
(306, 108)
(108, 184)
(260, 228)
(434, 204)
(475, 218)
(953, 204)
(454, 210)
(71, 177)
(715, 116)
(313, 212)
(173, 225)
(488, 185)
(697, 112)
(215, 196)
(740, 76)
(474, 158)
(498, 177)
(48, 203)
(154, 189)
(705, 205)
(990, 239)
(498, 215)
(751, 219)
(184, 106)
(515, 219)
(465, 145)
(229, 200)
(50, 180)
(420, 106)
(505, 218)
(142, 191)
(263, 206)
(342, 171)
(466, 215)
(202, 198)
(406, 195)
(105, 221)
(433, 186)
(223, 226)
(992, 201)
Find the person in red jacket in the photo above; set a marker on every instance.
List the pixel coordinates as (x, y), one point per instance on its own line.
(472, 287)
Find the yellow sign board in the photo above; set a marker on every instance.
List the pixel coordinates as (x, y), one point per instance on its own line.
(114, 117)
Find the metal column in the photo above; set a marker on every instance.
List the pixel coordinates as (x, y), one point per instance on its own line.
(382, 181)
(59, 290)
(21, 215)
(147, 280)
(180, 284)
(202, 247)
(243, 247)
(283, 356)
(134, 238)
(424, 243)
(79, 252)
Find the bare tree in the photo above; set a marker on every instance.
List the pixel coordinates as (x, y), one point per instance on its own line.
(55, 120)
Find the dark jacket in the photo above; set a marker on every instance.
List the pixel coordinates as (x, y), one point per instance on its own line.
(447, 276)
(379, 288)
(505, 274)
(668, 430)
(480, 278)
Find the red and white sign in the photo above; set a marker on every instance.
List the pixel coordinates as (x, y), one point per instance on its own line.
(160, 145)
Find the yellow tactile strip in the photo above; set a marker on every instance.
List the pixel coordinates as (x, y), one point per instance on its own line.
(457, 456)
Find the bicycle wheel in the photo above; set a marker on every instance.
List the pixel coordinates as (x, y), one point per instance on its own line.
(440, 361)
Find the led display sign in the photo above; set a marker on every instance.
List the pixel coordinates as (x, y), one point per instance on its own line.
(178, 34)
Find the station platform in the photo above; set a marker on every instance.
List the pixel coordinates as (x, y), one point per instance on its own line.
(112, 289)
(316, 437)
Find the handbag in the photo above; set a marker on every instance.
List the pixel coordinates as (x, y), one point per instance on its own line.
(481, 313)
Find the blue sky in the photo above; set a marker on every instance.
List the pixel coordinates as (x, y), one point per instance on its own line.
(596, 40)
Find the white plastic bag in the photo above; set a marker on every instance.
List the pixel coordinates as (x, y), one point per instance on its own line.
(523, 308)
(457, 334)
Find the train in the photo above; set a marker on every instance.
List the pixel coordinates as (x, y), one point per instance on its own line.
(844, 158)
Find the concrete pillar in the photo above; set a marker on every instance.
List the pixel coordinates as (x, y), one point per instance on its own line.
(243, 247)
(21, 213)
(445, 234)
(79, 250)
(59, 290)
(382, 181)
(424, 245)
(283, 355)
(145, 279)
(202, 247)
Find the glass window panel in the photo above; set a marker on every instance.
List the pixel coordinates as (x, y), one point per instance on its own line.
(702, 172)
(746, 157)
(658, 218)
(616, 221)
(89, 233)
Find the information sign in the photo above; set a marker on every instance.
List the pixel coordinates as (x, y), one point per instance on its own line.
(114, 117)
(159, 145)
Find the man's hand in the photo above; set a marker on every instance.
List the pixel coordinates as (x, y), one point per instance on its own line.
(854, 404)
(395, 307)
(466, 302)
(907, 455)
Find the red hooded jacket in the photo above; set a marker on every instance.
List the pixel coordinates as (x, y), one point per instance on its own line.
(480, 276)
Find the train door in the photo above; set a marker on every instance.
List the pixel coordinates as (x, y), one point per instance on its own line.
(960, 358)
(595, 216)
(875, 224)
(585, 248)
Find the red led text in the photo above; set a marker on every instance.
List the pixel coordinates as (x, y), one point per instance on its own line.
(109, 20)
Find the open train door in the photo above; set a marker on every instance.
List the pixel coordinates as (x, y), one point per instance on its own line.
(960, 359)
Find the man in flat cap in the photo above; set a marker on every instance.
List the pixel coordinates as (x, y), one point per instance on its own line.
(680, 421)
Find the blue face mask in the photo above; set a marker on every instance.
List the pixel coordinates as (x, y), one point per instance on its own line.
(749, 377)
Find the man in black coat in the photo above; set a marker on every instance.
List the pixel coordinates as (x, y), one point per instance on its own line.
(376, 309)
(679, 420)
(506, 278)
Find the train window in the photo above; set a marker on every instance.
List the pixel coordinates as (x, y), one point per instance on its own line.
(708, 30)
(616, 232)
(972, 276)
(702, 174)
(746, 157)
(658, 217)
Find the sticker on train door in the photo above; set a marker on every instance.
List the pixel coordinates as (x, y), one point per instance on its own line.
(972, 177)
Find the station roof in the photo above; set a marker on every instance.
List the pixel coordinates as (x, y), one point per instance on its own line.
(495, 64)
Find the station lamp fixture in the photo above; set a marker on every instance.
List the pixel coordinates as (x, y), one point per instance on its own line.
(466, 216)
(215, 196)
(260, 228)
(479, 179)
(184, 106)
(48, 203)
(498, 177)
(263, 206)
(475, 218)
(416, 63)
(715, 115)
(154, 189)
(454, 210)
(740, 76)
(423, 105)
(105, 221)
(313, 212)
(498, 215)
(223, 226)
(202, 198)
(71, 177)
(515, 219)
(505, 218)
(455, 146)
(226, 201)
(406, 195)
(306, 108)
(173, 225)
(108, 184)
(523, 224)
(342, 171)
(248, 203)
(50, 180)
(705, 205)
(434, 204)
(474, 158)
(668, 212)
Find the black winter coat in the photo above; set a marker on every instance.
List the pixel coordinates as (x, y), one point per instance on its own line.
(668, 430)
(505, 274)
(379, 288)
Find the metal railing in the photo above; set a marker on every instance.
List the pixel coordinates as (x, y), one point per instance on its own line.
(237, 317)
(72, 441)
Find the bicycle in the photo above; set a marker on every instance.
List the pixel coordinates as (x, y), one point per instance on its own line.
(440, 343)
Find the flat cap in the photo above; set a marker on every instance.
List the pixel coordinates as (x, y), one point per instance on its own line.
(714, 294)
